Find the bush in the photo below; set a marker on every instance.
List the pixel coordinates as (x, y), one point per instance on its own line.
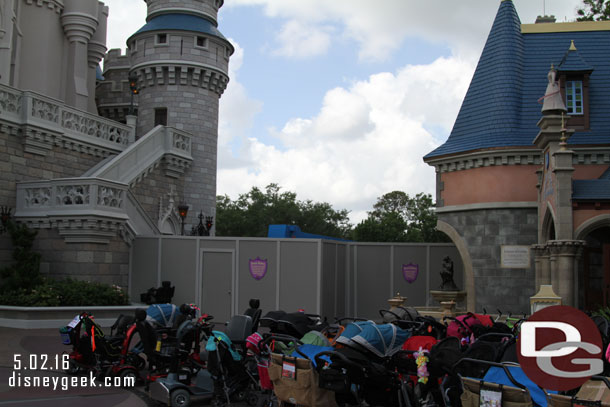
(53, 293)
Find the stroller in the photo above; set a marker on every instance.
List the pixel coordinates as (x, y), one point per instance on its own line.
(233, 371)
(295, 324)
(362, 370)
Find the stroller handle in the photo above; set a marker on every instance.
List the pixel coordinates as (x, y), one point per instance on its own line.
(344, 359)
(494, 364)
(278, 337)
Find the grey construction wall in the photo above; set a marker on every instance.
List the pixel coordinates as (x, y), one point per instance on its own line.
(377, 274)
(322, 277)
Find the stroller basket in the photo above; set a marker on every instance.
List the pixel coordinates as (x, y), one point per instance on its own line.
(302, 388)
(513, 396)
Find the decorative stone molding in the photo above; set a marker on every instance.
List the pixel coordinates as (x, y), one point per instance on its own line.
(486, 205)
(572, 248)
(56, 5)
(84, 210)
(599, 155)
(524, 156)
(47, 122)
(174, 72)
(591, 155)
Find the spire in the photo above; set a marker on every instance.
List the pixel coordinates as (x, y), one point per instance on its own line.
(491, 109)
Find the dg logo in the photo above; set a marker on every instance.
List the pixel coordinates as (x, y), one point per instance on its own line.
(560, 348)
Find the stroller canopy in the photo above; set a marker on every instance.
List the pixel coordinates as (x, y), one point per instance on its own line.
(221, 336)
(163, 315)
(381, 340)
(351, 330)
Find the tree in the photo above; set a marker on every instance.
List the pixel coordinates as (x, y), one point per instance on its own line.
(251, 214)
(594, 10)
(396, 217)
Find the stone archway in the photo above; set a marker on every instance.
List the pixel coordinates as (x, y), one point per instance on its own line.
(594, 267)
(462, 247)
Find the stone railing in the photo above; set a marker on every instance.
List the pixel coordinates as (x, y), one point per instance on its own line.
(82, 209)
(46, 122)
(165, 145)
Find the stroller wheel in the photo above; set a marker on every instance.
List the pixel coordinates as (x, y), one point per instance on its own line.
(252, 399)
(180, 398)
(128, 377)
(73, 368)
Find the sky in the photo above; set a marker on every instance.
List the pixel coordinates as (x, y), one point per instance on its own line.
(338, 101)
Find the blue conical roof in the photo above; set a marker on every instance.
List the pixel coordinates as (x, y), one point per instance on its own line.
(492, 105)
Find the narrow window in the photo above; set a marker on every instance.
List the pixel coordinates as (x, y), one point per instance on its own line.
(574, 97)
(161, 116)
(201, 42)
(161, 38)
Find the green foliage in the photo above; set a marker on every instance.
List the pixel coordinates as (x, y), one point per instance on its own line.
(603, 312)
(52, 293)
(397, 217)
(251, 214)
(24, 273)
(594, 10)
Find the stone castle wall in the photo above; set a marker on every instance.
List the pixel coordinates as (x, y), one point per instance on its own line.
(59, 259)
(485, 231)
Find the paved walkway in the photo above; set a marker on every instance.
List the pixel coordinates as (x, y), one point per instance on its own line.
(26, 342)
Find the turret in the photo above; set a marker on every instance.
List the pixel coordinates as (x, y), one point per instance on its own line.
(181, 62)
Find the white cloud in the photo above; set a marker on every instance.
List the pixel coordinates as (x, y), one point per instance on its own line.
(380, 28)
(301, 40)
(124, 19)
(366, 140)
(237, 112)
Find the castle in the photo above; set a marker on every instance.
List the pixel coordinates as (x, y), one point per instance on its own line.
(523, 181)
(76, 161)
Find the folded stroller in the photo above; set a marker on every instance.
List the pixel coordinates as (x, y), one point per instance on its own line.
(294, 324)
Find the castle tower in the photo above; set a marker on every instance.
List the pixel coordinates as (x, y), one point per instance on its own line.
(181, 62)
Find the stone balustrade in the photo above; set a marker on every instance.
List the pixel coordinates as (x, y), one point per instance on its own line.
(82, 209)
(45, 122)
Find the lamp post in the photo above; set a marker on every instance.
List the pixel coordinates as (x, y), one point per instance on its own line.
(183, 210)
(203, 229)
(133, 86)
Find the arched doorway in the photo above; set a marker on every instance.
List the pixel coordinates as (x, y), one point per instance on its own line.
(594, 270)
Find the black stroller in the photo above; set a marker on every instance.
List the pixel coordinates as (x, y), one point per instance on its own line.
(233, 371)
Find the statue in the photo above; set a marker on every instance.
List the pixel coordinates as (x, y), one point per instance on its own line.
(553, 101)
(447, 276)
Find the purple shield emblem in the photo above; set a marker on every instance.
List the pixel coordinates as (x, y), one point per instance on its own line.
(410, 272)
(258, 268)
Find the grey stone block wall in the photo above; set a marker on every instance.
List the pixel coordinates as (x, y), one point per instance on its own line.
(104, 263)
(485, 231)
(16, 165)
(113, 93)
(154, 186)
